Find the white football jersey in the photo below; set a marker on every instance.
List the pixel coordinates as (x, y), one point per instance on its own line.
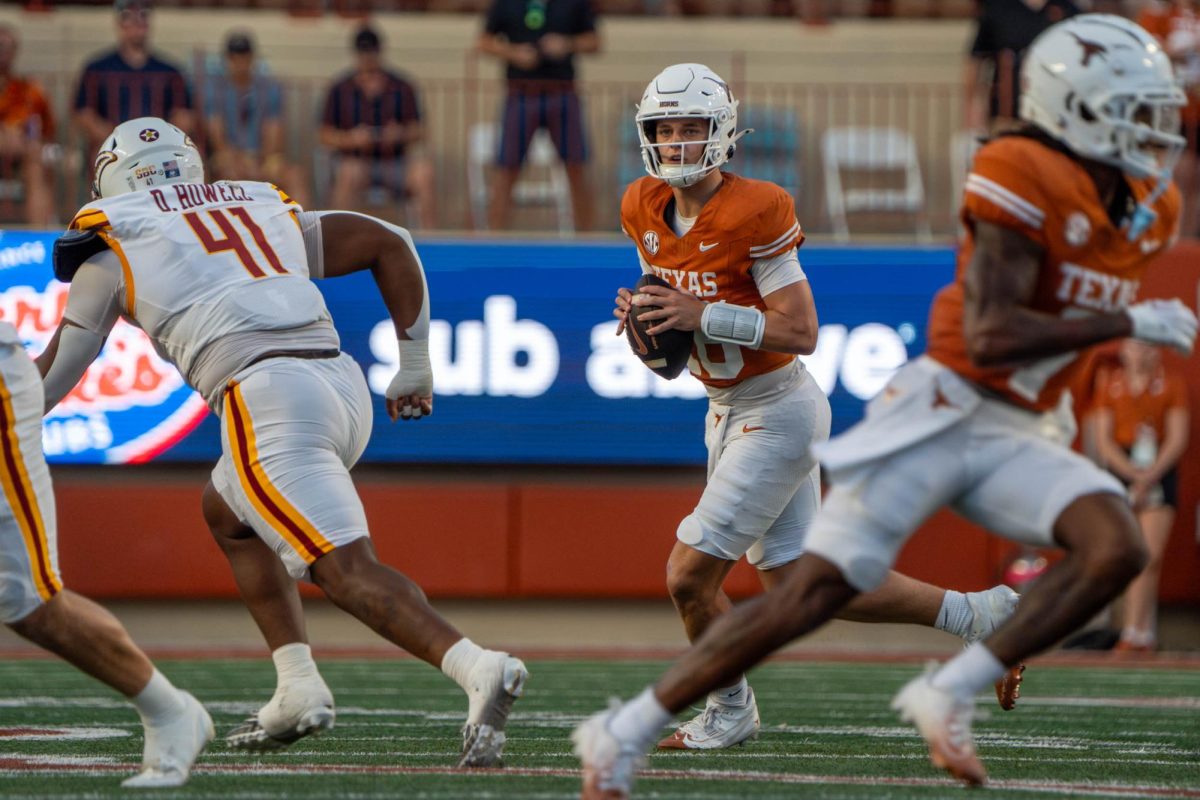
(199, 262)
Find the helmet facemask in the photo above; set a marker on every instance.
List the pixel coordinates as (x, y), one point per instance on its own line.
(687, 171)
(1144, 139)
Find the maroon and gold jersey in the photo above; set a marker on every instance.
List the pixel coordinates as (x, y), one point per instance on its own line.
(744, 221)
(1089, 265)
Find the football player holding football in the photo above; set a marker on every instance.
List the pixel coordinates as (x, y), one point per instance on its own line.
(219, 276)
(727, 247)
(1062, 217)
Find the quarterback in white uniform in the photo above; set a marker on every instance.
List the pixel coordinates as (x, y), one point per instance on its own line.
(218, 276)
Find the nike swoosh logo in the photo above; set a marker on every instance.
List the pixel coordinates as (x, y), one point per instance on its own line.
(748, 428)
(704, 248)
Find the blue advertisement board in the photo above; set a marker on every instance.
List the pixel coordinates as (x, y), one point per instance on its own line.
(526, 363)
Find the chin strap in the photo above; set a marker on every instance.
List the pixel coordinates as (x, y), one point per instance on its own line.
(1145, 215)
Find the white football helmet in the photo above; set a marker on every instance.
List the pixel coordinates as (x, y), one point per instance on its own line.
(1104, 87)
(143, 153)
(688, 91)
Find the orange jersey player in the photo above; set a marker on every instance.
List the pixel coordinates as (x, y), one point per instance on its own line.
(740, 248)
(1062, 217)
(1031, 185)
(727, 245)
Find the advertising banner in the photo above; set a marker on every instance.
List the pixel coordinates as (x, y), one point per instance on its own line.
(526, 363)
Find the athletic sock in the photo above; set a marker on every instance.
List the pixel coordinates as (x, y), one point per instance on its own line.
(736, 696)
(294, 663)
(640, 720)
(970, 672)
(460, 659)
(955, 614)
(158, 701)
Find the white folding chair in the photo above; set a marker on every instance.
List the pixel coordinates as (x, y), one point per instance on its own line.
(872, 150)
(543, 180)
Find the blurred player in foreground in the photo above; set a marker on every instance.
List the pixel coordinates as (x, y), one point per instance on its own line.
(34, 604)
(727, 245)
(218, 276)
(1062, 218)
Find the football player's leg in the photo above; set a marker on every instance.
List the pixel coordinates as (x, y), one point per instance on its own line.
(295, 430)
(269, 592)
(34, 604)
(1046, 495)
(273, 600)
(754, 477)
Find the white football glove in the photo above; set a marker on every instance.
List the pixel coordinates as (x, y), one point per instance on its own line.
(1167, 322)
(414, 376)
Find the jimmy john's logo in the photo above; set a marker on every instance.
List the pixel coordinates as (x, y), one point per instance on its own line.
(1078, 229)
(650, 242)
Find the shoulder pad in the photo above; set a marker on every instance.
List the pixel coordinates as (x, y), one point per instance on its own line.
(72, 249)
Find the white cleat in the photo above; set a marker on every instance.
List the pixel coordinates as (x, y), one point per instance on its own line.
(716, 727)
(495, 683)
(295, 711)
(989, 610)
(944, 720)
(171, 748)
(609, 765)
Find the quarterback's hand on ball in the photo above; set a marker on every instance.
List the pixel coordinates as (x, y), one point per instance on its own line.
(410, 394)
(674, 308)
(1167, 322)
(624, 298)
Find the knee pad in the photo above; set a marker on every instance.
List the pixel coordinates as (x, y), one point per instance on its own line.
(698, 536)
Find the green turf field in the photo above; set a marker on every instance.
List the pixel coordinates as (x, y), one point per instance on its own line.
(1079, 732)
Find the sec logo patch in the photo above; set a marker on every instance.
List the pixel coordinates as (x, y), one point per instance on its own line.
(650, 241)
(1077, 229)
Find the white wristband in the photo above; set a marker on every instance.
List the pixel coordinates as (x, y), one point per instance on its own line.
(742, 325)
(414, 374)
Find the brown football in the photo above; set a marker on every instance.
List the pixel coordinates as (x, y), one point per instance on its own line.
(665, 353)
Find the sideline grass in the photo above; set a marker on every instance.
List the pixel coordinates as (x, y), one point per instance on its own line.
(828, 733)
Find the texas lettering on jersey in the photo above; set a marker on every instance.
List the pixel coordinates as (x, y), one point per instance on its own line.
(1089, 265)
(744, 221)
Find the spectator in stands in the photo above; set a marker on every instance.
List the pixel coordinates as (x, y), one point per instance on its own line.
(1141, 425)
(1177, 26)
(538, 40)
(244, 121)
(130, 82)
(26, 124)
(372, 124)
(1005, 30)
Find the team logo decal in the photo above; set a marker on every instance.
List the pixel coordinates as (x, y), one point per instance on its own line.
(1077, 229)
(148, 135)
(1089, 49)
(650, 240)
(130, 405)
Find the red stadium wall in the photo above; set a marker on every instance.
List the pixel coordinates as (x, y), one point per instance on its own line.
(575, 534)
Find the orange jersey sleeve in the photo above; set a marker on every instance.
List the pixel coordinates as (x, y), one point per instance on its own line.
(779, 230)
(1005, 189)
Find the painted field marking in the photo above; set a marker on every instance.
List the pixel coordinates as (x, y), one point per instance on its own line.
(18, 764)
